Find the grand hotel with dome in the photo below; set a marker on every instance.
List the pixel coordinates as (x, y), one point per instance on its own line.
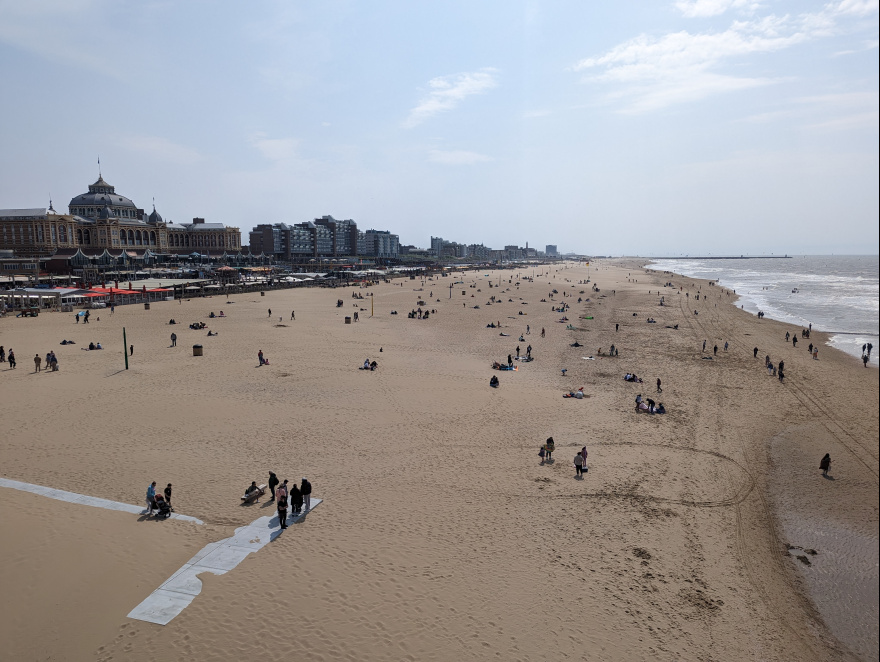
(100, 220)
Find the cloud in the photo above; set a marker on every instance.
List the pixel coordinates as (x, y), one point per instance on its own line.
(447, 92)
(275, 149)
(161, 148)
(457, 157)
(652, 73)
(705, 8)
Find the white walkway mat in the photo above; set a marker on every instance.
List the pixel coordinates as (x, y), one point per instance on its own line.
(97, 502)
(172, 597)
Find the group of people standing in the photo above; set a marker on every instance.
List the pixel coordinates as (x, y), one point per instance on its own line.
(296, 498)
(11, 357)
(51, 362)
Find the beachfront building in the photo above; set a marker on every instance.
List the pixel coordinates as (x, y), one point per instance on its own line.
(324, 237)
(551, 251)
(101, 219)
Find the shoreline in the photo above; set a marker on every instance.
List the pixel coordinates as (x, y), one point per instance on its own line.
(442, 535)
(835, 338)
(846, 600)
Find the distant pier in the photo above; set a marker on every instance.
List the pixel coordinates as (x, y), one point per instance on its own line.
(722, 257)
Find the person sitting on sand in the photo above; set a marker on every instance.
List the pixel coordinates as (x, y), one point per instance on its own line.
(660, 409)
(494, 381)
(373, 365)
(211, 333)
(366, 364)
(212, 315)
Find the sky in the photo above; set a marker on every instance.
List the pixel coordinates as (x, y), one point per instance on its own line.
(683, 127)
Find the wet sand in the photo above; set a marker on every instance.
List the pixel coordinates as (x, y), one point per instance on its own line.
(442, 535)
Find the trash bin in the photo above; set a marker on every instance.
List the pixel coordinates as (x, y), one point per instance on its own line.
(197, 350)
(146, 306)
(347, 319)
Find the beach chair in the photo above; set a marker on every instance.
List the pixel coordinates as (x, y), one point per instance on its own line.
(256, 494)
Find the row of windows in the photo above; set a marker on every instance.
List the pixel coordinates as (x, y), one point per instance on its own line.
(92, 212)
(61, 234)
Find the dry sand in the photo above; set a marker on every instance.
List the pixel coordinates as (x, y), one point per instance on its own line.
(442, 537)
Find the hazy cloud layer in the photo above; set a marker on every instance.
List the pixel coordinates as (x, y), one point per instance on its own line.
(447, 92)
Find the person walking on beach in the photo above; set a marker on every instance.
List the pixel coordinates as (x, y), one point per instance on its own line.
(273, 482)
(726, 345)
(528, 330)
(704, 345)
(270, 313)
(715, 350)
(11, 359)
(825, 464)
(131, 350)
(151, 498)
(794, 341)
(815, 353)
(293, 314)
(174, 340)
(529, 351)
(870, 347)
(810, 348)
(755, 354)
(659, 388)
(578, 465)
(584, 455)
(543, 332)
(865, 360)
(260, 356)
(617, 327)
(38, 361)
(306, 491)
(542, 452)
(551, 446)
(2, 354)
(167, 492)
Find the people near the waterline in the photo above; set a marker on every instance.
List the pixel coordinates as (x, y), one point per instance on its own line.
(151, 498)
(825, 464)
(815, 353)
(494, 381)
(273, 483)
(305, 489)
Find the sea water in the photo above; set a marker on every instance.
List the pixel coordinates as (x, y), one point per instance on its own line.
(839, 294)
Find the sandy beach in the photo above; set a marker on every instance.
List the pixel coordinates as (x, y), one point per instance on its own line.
(443, 536)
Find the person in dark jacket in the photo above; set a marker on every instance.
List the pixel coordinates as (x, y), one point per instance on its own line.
(296, 499)
(306, 489)
(825, 464)
(282, 511)
(273, 483)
